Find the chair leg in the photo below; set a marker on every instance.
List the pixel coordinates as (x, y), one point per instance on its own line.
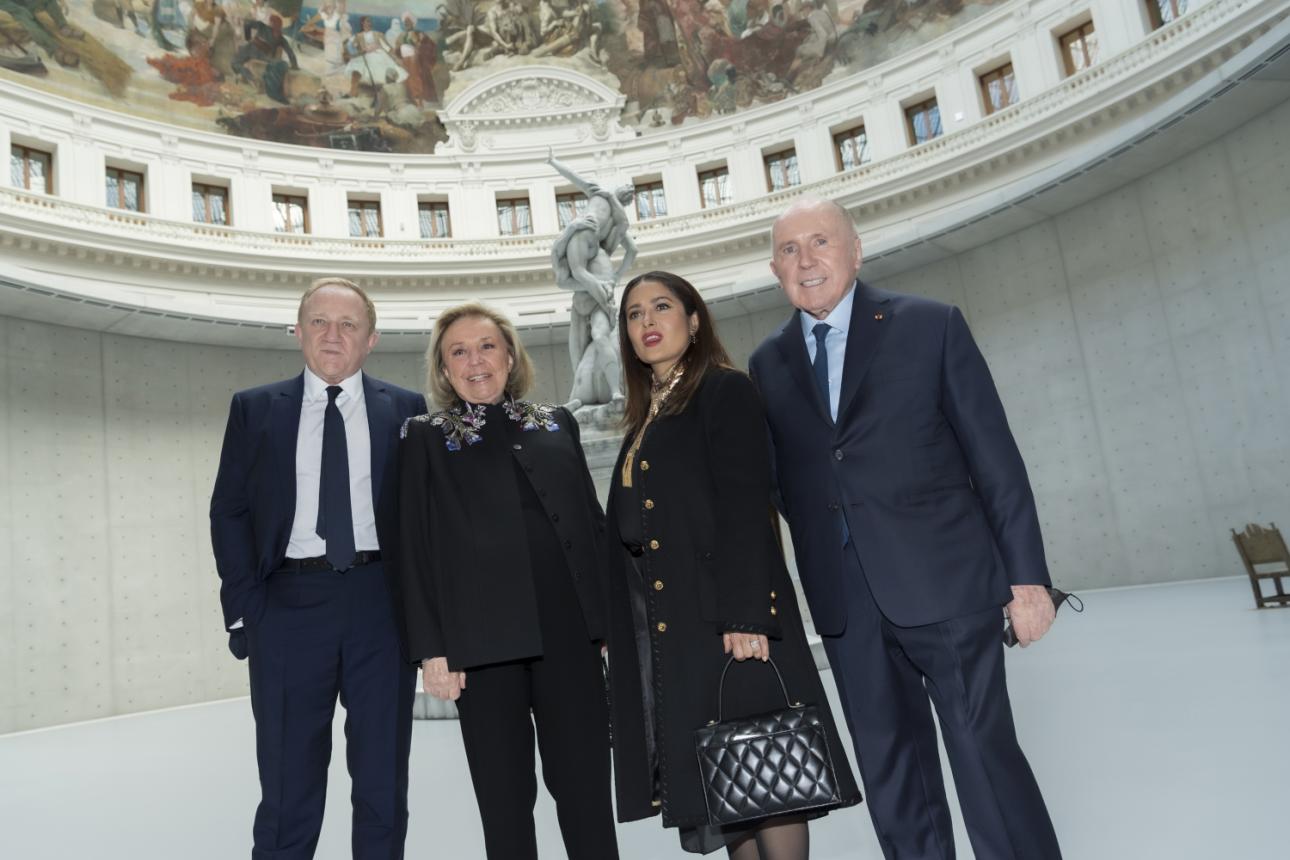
(1258, 593)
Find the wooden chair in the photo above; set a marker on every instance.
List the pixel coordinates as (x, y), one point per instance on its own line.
(1264, 552)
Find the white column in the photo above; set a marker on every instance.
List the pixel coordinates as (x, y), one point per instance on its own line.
(1119, 24)
(399, 213)
(814, 147)
(251, 202)
(1035, 61)
(747, 173)
(885, 125)
(80, 173)
(542, 205)
(680, 186)
(328, 210)
(169, 187)
(5, 143)
(956, 97)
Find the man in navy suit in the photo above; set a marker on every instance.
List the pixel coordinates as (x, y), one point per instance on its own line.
(914, 525)
(301, 513)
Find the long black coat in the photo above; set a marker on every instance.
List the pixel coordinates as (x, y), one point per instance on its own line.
(713, 564)
(464, 564)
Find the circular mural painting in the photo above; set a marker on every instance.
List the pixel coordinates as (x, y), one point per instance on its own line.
(373, 75)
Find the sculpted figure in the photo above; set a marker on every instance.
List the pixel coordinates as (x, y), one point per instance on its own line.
(582, 260)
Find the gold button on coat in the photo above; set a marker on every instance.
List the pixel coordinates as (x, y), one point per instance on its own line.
(772, 595)
(662, 627)
(644, 465)
(653, 544)
(649, 504)
(774, 611)
(658, 585)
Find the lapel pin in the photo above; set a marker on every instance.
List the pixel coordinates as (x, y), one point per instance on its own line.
(878, 316)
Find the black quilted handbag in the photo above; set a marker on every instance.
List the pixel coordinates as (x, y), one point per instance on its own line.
(765, 764)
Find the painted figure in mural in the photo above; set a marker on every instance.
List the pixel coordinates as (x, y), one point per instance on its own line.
(658, 32)
(417, 53)
(335, 32)
(583, 264)
(375, 58)
(211, 37)
(265, 42)
(24, 13)
(568, 32)
(471, 33)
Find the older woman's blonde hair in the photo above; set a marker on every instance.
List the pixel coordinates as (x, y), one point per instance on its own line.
(440, 389)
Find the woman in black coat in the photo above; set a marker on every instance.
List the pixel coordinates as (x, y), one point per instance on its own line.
(501, 577)
(700, 574)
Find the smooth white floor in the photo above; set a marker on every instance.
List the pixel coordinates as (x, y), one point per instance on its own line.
(1157, 723)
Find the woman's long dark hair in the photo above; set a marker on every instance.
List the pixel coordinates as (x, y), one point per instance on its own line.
(704, 354)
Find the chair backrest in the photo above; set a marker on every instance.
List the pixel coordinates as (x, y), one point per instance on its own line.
(1262, 545)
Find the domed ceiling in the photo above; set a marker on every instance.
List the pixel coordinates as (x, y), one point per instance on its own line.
(373, 74)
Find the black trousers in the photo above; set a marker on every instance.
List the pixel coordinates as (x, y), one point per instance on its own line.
(323, 635)
(885, 676)
(562, 693)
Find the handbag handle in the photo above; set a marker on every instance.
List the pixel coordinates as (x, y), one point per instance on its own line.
(721, 687)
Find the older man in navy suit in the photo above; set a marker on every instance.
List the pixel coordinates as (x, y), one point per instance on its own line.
(301, 513)
(915, 531)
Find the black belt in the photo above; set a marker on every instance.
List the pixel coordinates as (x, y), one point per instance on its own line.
(320, 562)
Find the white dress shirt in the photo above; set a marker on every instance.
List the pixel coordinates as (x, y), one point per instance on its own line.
(305, 542)
(835, 342)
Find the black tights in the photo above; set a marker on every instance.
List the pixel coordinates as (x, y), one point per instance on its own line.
(777, 839)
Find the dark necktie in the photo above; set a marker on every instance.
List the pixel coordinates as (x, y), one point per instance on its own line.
(335, 519)
(821, 368)
(821, 364)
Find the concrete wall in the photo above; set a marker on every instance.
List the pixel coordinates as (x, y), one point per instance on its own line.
(1140, 343)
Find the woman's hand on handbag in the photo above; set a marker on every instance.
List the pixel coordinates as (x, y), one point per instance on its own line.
(745, 645)
(439, 682)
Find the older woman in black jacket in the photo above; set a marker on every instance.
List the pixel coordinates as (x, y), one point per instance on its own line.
(501, 574)
(700, 573)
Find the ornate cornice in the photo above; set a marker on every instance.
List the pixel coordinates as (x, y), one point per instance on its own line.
(560, 105)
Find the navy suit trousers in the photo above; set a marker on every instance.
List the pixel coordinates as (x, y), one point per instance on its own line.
(886, 676)
(325, 635)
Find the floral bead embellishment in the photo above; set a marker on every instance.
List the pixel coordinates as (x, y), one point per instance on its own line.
(403, 431)
(460, 424)
(531, 416)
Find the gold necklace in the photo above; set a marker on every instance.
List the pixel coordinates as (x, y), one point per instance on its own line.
(659, 392)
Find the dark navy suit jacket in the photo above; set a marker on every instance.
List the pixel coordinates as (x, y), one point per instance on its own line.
(254, 500)
(920, 460)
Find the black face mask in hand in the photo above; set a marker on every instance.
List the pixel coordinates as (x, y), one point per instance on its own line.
(1059, 597)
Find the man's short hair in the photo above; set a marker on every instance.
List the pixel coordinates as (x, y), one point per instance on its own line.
(334, 281)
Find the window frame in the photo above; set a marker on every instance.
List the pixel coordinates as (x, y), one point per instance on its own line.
(26, 155)
(365, 205)
(287, 198)
(849, 135)
(648, 191)
(787, 157)
(1066, 40)
(577, 200)
(433, 206)
(122, 173)
(515, 205)
(1156, 14)
(926, 106)
(1011, 93)
(720, 173)
(206, 189)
